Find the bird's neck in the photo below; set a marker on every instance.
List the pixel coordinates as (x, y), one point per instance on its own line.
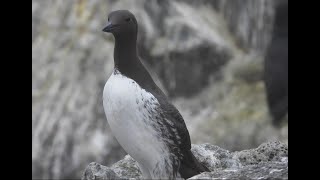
(125, 52)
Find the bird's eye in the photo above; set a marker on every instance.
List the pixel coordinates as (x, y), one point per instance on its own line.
(128, 19)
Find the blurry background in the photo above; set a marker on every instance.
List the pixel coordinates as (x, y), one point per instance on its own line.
(207, 55)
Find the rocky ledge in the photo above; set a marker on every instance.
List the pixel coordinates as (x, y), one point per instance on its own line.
(268, 161)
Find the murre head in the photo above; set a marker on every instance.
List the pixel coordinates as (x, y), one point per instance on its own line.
(121, 22)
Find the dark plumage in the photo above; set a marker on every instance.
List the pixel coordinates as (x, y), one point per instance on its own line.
(123, 25)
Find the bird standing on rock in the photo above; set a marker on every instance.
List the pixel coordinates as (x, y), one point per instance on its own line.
(148, 127)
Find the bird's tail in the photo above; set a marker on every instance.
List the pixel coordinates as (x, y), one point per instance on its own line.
(190, 166)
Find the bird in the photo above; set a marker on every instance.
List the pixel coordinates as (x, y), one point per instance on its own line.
(141, 117)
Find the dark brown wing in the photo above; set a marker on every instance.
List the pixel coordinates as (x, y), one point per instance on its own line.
(173, 116)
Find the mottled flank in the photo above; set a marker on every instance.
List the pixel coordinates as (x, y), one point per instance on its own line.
(268, 161)
(140, 128)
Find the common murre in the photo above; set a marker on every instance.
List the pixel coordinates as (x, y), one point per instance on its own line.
(145, 123)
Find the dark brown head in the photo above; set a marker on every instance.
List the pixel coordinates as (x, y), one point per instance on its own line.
(121, 22)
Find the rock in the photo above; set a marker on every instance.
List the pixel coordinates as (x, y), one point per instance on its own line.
(95, 171)
(127, 168)
(271, 151)
(213, 156)
(268, 161)
(270, 170)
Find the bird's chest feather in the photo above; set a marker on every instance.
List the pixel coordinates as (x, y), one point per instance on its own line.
(132, 115)
(125, 100)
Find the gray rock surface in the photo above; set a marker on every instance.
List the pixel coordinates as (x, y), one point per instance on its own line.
(268, 161)
(96, 171)
(206, 55)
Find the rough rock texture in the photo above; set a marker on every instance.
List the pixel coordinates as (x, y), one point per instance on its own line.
(98, 172)
(206, 54)
(268, 161)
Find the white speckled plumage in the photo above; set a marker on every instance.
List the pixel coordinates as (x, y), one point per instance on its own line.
(130, 112)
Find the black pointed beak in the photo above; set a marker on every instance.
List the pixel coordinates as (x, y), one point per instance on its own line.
(108, 28)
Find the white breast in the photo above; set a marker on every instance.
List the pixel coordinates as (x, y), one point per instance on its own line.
(128, 109)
